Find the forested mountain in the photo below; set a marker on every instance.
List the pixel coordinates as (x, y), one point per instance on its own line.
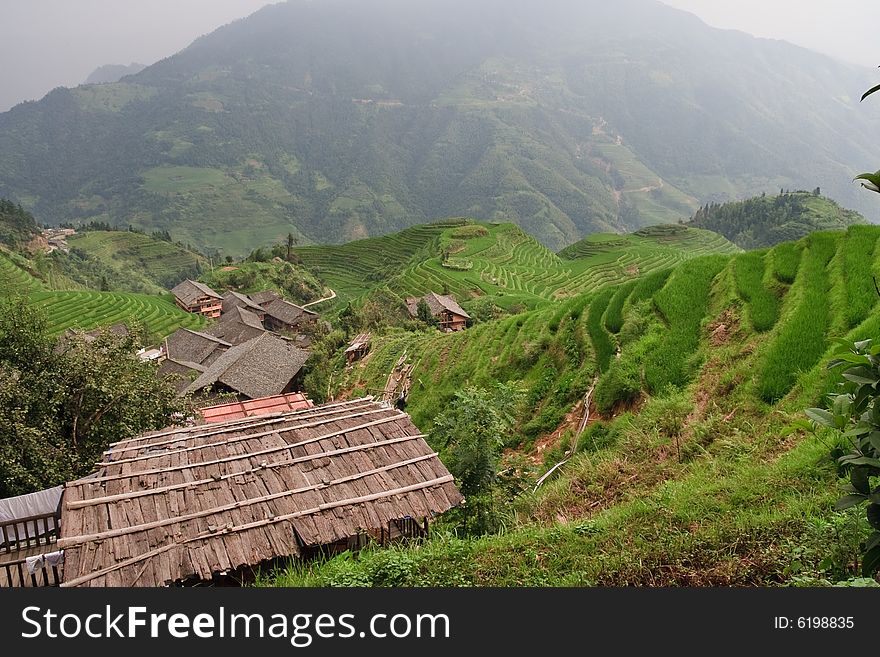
(113, 72)
(768, 220)
(17, 225)
(339, 119)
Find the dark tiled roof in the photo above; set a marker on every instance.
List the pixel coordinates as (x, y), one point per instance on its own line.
(232, 300)
(437, 303)
(264, 297)
(190, 291)
(195, 347)
(257, 368)
(238, 326)
(286, 312)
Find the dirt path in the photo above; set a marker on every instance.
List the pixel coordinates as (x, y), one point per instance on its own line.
(313, 303)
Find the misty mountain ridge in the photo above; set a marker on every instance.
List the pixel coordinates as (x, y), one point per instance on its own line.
(339, 120)
(109, 73)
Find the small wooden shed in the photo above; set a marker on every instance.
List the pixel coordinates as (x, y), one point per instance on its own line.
(192, 504)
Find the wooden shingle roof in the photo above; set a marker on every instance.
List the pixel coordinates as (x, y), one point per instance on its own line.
(257, 368)
(238, 325)
(437, 303)
(195, 347)
(190, 291)
(233, 299)
(286, 312)
(187, 503)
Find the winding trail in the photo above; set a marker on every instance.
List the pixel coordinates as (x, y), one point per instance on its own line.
(322, 300)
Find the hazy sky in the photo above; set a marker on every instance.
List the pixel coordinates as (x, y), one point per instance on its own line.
(49, 43)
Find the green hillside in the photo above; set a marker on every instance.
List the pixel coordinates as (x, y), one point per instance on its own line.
(16, 278)
(767, 220)
(500, 261)
(158, 263)
(685, 475)
(565, 118)
(88, 310)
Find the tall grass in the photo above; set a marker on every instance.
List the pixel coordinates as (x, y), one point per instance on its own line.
(801, 340)
(786, 259)
(649, 285)
(748, 272)
(858, 264)
(614, 314)
(602, 343)
(682, 303)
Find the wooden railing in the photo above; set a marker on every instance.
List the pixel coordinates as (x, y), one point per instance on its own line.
(28, 537)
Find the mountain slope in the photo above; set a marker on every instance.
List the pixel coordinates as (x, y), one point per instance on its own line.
(768, 220)
(693, 484)
(339, 120)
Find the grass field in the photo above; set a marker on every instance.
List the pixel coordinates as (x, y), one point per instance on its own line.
(88, 310)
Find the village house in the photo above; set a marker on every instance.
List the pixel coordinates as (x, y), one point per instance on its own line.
(213, 503)
(187, 354)
(450, 316)
(232, 300)
(265, 366)
(237, 325)
(282, 315)
(195, 297)
(358, 348)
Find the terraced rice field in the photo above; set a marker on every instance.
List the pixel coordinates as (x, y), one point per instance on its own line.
(161, 262)
(14, 279)
(88, 310)
(503, 261)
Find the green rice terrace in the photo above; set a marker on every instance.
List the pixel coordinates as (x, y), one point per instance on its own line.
(473, 259)
(87, 310)
(687, 472)
(161, 264)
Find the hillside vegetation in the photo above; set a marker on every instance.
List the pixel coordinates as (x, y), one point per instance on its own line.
(475, 260)
(686, 474)
(565, 118)
(152, 262)
(768, 220)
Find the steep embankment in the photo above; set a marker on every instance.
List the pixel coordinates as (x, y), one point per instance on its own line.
(691, 478)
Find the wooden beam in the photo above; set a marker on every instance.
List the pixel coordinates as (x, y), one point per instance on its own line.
(236, 457)
(253, 525)
(124, 531)
(79, 504)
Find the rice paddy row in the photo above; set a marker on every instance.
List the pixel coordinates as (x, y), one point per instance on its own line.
(471, 259)
(88, 310)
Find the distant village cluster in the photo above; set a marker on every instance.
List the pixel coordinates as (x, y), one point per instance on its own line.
(257, 348)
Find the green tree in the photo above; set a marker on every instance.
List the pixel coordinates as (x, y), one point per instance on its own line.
(471, 432)
(63, 402)
(423, 312)
(854, 414)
